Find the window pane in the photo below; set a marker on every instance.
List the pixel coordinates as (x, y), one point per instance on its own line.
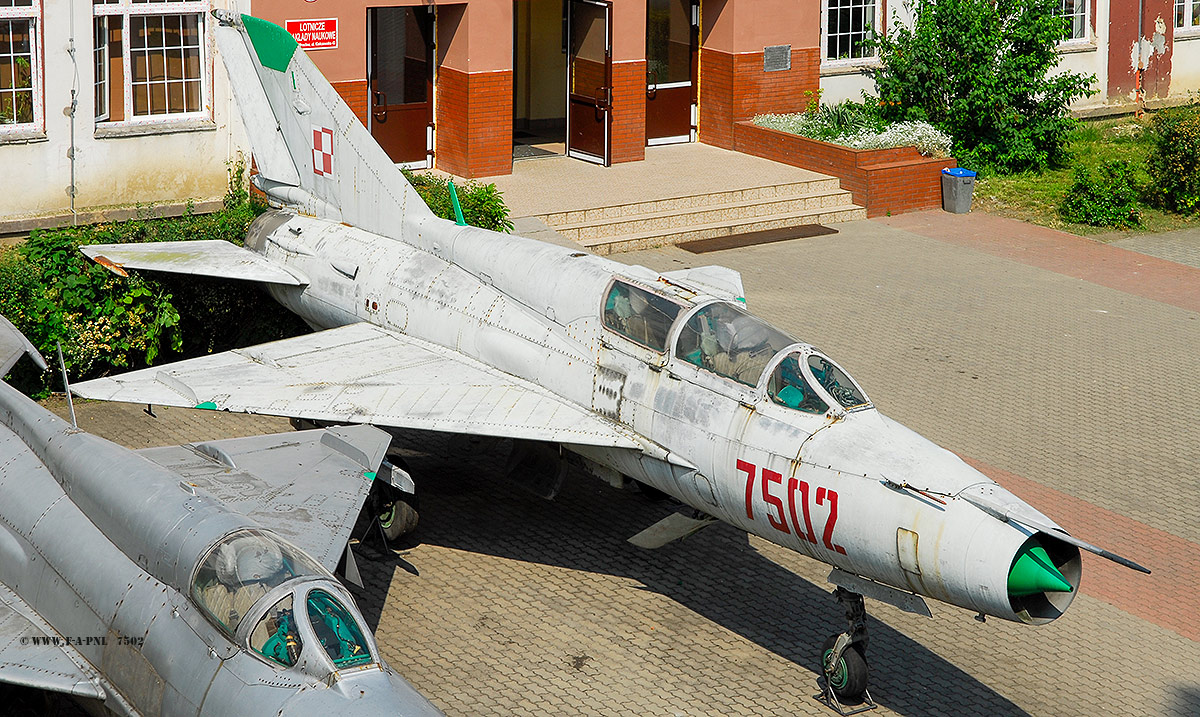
(275, 636)
(140, 64)
(337, 631)
(141, 100)
(158, 66)
(191, 65)
(175, 97)
(788, 388)
(16, 3)
(836, 382)
(137, 32)
(16, 71)
(192, 95)
(174, 64)
(639, 315)
(158, 99)
(191, 30)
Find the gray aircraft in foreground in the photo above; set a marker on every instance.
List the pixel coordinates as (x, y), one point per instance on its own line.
(664, 379)
(185, 580)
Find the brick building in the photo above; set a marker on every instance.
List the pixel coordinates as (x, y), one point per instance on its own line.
(469, 86)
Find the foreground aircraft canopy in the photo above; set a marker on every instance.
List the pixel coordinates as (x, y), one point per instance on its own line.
(665, 379)
(158, 581)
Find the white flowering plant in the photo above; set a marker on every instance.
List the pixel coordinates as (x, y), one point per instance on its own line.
(858, 126)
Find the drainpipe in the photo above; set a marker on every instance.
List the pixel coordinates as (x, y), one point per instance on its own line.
(71, 111)
(1139, 82)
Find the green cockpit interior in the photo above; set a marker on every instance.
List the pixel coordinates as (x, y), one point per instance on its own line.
(277, 637)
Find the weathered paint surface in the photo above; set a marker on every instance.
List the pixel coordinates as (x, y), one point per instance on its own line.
(1155, 44)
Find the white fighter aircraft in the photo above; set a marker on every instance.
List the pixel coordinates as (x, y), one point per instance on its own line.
(664, 379)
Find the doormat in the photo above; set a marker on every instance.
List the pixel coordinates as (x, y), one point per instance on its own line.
(767, 236)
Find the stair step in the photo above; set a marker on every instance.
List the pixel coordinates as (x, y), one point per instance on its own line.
(684, 217)
(610, 213)
(659, 237)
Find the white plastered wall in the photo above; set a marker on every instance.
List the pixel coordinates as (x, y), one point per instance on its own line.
(170, 165)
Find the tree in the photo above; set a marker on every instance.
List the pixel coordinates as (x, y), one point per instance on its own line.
(980, 70)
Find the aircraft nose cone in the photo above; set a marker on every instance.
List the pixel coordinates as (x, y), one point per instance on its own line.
(364, 694)
(1033, 572)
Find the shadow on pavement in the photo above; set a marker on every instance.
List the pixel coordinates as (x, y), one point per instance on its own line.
(716, 573)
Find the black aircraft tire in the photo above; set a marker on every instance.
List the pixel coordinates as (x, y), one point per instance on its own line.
(398, 519)
(849, 678)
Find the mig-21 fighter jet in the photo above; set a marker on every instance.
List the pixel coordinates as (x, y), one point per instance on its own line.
(664, 379)
(185, 580)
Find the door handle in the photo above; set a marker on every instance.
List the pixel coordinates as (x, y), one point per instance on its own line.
(380, 101)
(602, 98)
(651, 83)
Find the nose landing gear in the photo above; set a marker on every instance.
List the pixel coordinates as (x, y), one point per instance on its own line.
(843, 662)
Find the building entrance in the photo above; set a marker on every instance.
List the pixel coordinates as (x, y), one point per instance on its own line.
(539, 79)
(672, 38)
(400, 80)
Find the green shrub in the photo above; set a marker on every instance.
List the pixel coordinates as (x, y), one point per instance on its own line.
(1174, 162)
(979, 70)
(1106, 198)
(482, 204)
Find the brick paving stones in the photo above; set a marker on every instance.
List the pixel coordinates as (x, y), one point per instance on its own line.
(1075, 392)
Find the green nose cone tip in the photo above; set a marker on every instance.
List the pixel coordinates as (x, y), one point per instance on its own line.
(1033, 572)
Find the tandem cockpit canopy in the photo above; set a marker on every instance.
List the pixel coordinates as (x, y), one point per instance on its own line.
(303, 607)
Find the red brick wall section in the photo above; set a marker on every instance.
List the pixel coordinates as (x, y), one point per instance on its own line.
(885, 181)
(354, 93)
(474, 123)
(735, 88)
(629, 111)
(716, 98)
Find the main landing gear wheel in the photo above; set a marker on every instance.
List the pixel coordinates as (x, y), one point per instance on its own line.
(397, 518)
(843, 660)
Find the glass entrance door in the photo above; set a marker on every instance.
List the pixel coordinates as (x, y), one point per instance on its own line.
(589, 80)
(672, 29)
(400, 50)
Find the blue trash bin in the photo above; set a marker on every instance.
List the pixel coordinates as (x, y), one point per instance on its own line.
(958, 186)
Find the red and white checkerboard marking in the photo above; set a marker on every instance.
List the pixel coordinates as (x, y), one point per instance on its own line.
(322, 151)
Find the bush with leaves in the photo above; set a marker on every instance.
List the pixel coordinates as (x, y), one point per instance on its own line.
(482, 204)
(1174, 162)
(980, 70)
(1106, 198)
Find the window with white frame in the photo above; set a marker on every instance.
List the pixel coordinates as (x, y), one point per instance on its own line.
(1187, 14)
(848, 25)
(1076, 12)
(151, 60)
(20, 73)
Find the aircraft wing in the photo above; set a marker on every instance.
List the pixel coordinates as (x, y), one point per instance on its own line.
(207, 257)
(307, 486)
(362, 373)
(32, 654)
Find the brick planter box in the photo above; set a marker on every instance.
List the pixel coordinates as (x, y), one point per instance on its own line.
(882, 180)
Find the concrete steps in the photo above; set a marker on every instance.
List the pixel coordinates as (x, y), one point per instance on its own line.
(641, 225)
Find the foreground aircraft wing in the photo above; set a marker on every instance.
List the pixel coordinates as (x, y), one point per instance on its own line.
(212, 257)
(362, 373)
(307, 486)
(32, 654)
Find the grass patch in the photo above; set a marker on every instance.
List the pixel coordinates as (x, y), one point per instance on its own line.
(1035, 197)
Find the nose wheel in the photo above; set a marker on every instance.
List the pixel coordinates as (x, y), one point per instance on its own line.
(843, 661)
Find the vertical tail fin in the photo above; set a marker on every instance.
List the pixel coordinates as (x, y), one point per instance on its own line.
(310, 148)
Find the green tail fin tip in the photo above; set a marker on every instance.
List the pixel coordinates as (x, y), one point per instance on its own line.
(458, 215)
(1033, 572)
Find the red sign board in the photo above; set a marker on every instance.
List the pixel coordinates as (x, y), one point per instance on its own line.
(314, 34)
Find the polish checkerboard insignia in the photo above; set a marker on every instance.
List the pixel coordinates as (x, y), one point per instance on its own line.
(322, 151)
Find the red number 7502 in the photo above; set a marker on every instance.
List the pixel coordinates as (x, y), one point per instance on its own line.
(775, 510)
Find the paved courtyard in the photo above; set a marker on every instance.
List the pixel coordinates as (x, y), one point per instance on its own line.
(1066, 369)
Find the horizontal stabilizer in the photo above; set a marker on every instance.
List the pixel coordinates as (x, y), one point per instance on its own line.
(307, 486)
(14, 345)
(671, 528)
(209, 257)
(362, 373)
(32, 654)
